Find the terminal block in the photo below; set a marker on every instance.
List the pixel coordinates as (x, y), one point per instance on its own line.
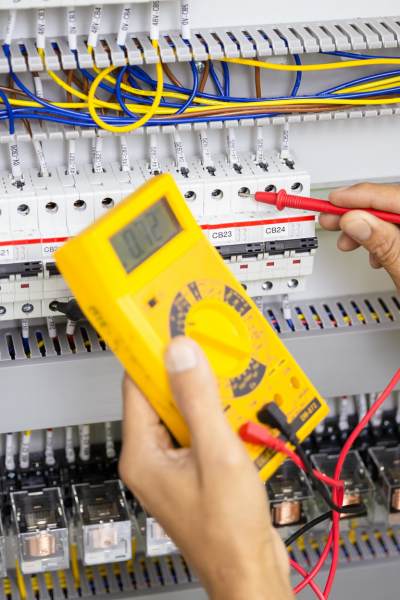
(40, 531)
(102, 522)
(386, 463)
(359, 486)
(291, 497)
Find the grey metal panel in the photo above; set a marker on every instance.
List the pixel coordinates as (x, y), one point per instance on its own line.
(309, 42)
(199, 51)
(112, 584)
(140, 582)
(150, 53)
(43, 591)
(373, 41)
(246, 46)
(214, 49)
(84, 57)
(101, 56)
(177, 564)
(166, 52)
(230, 47)
(166, 573)
(117, 55)
(57, 590)
(98, 580)
(294, 44)
(387, 38)
(85, 588)
(34, 60)
(125, 577)
(134, 54)
(12, 576)
(182, 50)
(50, 57)
(341, 40)
(262, 45)
(325, 40)
(4, 65)
(68, 60)
(30, 595)
(17, 60)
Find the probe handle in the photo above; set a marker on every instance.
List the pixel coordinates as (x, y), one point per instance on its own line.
(283, 200)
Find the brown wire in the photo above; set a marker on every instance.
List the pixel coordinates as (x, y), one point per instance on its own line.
(257, 71)
(237, 111)
(171, 76)
(205, 77)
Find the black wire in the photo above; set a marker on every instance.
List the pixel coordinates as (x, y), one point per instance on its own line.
(349, 509)
(307, 527)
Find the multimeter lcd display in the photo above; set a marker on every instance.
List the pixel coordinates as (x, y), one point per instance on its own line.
(146, 234)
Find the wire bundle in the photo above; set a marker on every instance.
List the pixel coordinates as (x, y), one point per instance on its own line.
(173, 103)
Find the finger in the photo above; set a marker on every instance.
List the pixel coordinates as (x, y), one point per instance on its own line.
(374, 262)
(195, 390)
(368, 195)
(329, 222)
(381, 239)
(346, 244)
(145, 438)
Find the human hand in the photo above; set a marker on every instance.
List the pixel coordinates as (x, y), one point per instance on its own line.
(381, 239)
(208, 498)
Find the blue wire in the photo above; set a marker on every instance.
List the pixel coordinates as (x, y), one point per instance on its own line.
(356, 56)
(360, 80)
(226, 76)
(9, 111)
(118, 92)
(298, 76)
(216, 80)
(194, 91)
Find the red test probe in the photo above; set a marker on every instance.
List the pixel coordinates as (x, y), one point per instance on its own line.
(283, 200)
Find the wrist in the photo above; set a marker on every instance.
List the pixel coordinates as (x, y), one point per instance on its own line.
(256, 580)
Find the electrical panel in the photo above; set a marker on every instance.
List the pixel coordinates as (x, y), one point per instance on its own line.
(251, 121)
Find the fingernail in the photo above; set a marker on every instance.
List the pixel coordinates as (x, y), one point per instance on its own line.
(341, 189)
(359, 230)
(180, 356)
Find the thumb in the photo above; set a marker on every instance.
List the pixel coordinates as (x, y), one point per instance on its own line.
(380, 238)
(195, 390)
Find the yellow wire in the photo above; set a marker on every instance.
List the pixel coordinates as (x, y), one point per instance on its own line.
(20, 581)
(74, 566)
(145, 118)
(322, 67)
(151, 93)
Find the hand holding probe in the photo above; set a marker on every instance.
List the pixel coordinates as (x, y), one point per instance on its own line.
(283, 200)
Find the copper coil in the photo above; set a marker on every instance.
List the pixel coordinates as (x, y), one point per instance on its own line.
(286, 513)
(352, 498)
(104, 538)
(41, 546)
(396, 499)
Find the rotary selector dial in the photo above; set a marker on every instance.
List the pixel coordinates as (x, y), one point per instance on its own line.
(230, 331)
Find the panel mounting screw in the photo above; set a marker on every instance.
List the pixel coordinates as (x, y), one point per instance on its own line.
(200, 66)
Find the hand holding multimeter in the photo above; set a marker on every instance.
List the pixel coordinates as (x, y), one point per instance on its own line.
(145, 273)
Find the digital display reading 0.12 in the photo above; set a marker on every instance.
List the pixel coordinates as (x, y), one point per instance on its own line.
(146, 234)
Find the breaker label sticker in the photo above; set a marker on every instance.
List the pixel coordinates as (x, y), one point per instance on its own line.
(6, 252)
(271, 231)
(222, 236)
(51, 246)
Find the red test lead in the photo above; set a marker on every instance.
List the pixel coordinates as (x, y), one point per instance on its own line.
(283, 200)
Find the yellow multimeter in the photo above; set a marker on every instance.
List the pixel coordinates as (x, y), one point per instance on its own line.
(145, 273)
